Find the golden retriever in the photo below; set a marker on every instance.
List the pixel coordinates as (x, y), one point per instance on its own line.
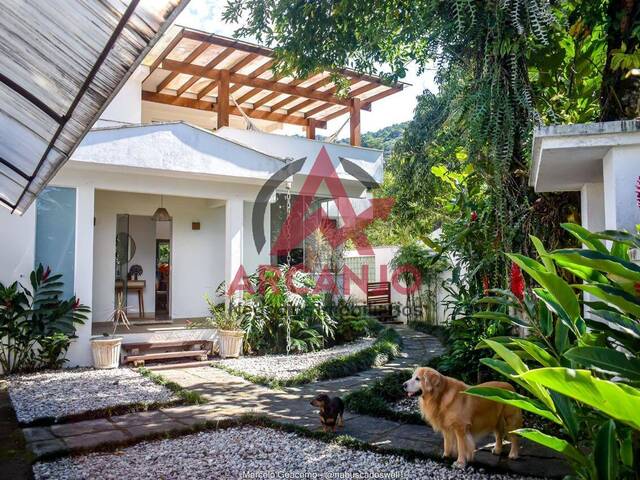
(463, 419)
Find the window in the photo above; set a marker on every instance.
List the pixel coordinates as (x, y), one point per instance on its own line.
(56, 233)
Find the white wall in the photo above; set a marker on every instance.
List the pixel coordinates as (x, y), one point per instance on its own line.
(252, 259)
(17, 245)
(383, 272)
(592, 206)
(197, 255)
(126, 106)
(621, 169)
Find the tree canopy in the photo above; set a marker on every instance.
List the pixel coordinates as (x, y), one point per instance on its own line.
(502, 67)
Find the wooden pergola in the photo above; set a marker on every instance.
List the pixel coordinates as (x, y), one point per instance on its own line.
(210, 72)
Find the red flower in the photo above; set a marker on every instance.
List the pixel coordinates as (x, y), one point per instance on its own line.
(517, 282)
(474, 216)
(485, 285)
(76, 304)
(638, 192)
(46, 273)
(636, 286)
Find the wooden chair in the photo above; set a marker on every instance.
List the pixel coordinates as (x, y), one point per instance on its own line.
(379, 301)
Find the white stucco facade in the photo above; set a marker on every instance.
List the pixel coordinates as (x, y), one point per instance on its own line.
(203, 177)
(600, 160)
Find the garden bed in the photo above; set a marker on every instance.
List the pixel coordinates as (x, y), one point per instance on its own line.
(385, 398)
(67, 395)
(282, 370)
(245, 452)
(285, 367)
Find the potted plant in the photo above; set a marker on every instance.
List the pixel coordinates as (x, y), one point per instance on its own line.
(228, 322)
(106, 348)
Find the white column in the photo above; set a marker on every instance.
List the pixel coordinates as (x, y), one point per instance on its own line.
(233, 241)
(620, 171)
(80, 350)
(592, 206)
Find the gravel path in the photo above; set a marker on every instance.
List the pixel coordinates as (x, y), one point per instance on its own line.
(246, 452)
(283, 367)
(67, 392)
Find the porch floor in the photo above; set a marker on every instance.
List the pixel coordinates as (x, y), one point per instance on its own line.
(98, 328)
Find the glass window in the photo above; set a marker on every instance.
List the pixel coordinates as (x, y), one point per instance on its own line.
(56, 233)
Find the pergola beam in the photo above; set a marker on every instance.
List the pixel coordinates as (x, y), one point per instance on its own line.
(208, 106)
(243, 62)
(169, 48)
(199, 50)
(264, 51)
(214, 61)
(366, 105)
(223, 99)
(213, 74)
(354, 122)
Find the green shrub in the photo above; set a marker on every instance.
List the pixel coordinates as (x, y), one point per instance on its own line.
(580, 372)
(352, 321)
(279, 318)
(375, 399)
(36, 325)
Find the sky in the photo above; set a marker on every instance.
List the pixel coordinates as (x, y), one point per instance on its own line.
(207, 15)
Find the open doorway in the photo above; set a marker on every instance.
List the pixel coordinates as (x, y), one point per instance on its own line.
(143, 266)
(163, 277)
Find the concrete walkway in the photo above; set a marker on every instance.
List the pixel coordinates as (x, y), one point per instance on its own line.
(229, 396)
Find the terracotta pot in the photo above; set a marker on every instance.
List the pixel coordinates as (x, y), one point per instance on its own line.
(106, 351)
(230, 343)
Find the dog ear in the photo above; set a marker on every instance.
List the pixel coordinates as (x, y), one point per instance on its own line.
(435, 378)
(425, 384)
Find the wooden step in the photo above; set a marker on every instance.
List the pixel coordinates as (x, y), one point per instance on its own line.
(163, 344)
(138, 360)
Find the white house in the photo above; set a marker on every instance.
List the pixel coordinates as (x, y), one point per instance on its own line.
(601, 161)
(172, 138)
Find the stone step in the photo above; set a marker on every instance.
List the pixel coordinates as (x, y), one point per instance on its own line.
(163, 344)
(138, 360)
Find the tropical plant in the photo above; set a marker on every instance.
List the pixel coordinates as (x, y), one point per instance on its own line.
(580, 364)
(418, 263)
(281, 313)
(221, 317)
(352, 321)
(36, 324)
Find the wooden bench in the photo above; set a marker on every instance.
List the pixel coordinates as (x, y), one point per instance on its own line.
(379, 301)
(138, 353)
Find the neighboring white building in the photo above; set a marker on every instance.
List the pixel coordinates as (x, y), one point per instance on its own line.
(601, 161)
(142, 155)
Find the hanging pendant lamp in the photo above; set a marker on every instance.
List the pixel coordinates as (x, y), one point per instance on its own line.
(161, 214)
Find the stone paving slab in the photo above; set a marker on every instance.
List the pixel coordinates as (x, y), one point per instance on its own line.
(229, 396)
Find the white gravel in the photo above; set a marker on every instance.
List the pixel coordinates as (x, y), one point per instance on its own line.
(62, 393)
(246, 452)
(283, 367)
(406, 405)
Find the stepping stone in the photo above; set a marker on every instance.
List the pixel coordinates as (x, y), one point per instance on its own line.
(92, 440)
(37, 434)
(47, 447)
(79, 428)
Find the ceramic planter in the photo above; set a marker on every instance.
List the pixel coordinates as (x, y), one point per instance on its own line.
(230, 343)
(106, 351)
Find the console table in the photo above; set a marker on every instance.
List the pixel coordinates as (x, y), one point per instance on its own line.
(134, 286)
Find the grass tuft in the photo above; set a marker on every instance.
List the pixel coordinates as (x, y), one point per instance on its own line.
(386, 347)
(187, 396)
